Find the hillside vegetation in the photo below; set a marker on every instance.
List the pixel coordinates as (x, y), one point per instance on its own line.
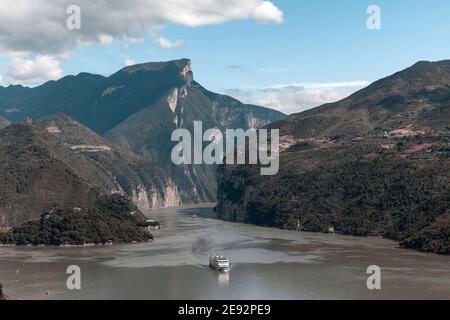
(376, 163)
(111, 219)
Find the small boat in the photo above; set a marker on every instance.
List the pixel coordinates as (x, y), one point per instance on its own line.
(194, 216)
(219, 263)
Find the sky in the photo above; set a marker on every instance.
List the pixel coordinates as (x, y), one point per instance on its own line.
(284, 54)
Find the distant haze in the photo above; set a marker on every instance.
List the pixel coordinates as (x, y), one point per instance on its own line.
(296, 97)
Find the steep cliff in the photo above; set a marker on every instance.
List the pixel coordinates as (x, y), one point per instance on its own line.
(148, 132)
(147, 185)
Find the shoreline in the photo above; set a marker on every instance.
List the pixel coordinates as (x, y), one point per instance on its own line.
(215, 217)
(87, 245)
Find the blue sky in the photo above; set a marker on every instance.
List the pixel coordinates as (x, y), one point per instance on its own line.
(319, 45)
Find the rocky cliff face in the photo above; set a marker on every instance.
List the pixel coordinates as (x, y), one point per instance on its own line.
(183, 103)
(147, 185)
(376, 163)
(234, 193)
(164, 196)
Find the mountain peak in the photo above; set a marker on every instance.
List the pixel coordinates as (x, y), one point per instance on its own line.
(178, 70)
(433, 72)
(431, 63)
(416, 97)
(184, 65)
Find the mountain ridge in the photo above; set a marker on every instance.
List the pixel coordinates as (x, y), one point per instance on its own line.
(56, 162)
(146, 184)
(397, 101)
(376, 163)
(137, 108)
(38, 173)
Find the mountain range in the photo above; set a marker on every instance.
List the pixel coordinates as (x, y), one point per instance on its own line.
(416, 97)
(138, 108)
(376, 163)
(109, 135)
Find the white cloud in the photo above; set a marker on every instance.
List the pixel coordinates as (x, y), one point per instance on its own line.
(266, 12)
(320, 85)
(1, 80)
(128, 62)
(66, 55)
(39, 26)
(105, 39)
(168, 44)
(29, 71)
(237, 67)
(297, 97)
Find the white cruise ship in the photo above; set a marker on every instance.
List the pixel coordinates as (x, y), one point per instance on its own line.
(219, 263)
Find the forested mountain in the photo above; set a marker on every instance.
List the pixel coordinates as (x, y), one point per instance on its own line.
(56, 162)
(137, 108)
(375, 163)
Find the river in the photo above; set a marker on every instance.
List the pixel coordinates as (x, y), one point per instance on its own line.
(266, 264)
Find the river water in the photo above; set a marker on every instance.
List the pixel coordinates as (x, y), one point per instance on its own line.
(266, 264)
